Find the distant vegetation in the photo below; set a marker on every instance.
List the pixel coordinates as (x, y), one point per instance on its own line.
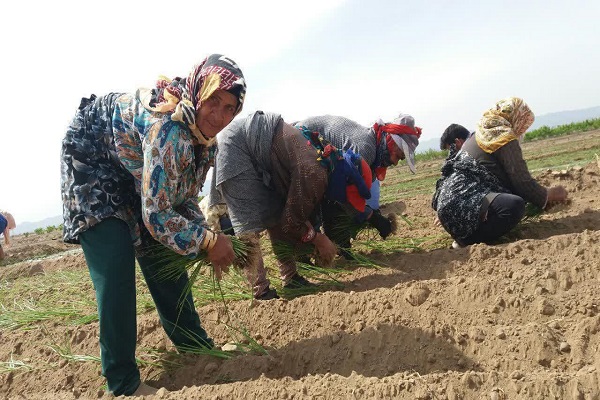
(546, 132)
(565, 117)
(48, 229)
(431, 155)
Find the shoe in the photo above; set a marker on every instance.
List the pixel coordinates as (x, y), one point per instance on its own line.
(298, 281)
(144, 390)
(456, 245)
(268, 294)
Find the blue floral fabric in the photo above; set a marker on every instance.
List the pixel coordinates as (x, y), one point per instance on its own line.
(120, 160)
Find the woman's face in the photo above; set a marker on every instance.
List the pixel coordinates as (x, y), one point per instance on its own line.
(396, 154)
(216, 112)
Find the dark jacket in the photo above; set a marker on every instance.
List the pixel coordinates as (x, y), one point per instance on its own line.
(508, 165)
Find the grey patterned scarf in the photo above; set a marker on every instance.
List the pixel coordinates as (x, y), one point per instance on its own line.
(245, 144)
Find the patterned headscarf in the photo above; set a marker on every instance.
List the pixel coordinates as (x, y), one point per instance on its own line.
(506, 122)
(183, 97)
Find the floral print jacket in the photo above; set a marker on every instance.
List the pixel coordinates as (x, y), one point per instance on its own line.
(139, 166)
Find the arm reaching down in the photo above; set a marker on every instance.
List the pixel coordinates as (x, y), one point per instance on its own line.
(510, 156)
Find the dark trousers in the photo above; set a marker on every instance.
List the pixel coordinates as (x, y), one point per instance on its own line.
(110, 257)
(504, 213)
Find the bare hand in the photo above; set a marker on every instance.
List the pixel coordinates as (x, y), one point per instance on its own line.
(556, 194)
(436, 221)
(221, 255)
(325, 247)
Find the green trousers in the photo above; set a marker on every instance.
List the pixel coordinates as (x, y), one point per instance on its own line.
(110, 257)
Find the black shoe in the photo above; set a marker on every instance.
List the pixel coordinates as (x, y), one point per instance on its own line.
(268, 294)
(298, 281)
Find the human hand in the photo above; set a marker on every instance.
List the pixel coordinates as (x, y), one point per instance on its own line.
(221, 255)
(325, 249)
(436, 221)
(556, 194)
(381, 223)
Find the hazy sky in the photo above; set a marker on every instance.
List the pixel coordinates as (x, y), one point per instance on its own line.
(440, 61)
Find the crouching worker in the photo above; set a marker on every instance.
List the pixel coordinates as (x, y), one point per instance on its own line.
(484, 187)
(381, 146)
(273, 176)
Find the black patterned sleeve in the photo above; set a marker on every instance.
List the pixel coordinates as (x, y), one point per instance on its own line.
(523, 184)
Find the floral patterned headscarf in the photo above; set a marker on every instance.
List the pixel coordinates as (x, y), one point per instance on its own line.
(183, 97)
(506, 122)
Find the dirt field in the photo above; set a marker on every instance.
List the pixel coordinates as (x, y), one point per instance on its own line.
(515, 320)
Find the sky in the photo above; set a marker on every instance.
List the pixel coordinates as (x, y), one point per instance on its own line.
(441, 61)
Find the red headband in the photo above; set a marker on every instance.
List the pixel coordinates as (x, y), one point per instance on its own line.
(394, 129)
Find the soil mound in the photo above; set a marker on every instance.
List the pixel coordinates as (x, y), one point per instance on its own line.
(519, 319)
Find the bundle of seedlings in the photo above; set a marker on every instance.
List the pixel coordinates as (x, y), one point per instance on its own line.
(200, 273)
